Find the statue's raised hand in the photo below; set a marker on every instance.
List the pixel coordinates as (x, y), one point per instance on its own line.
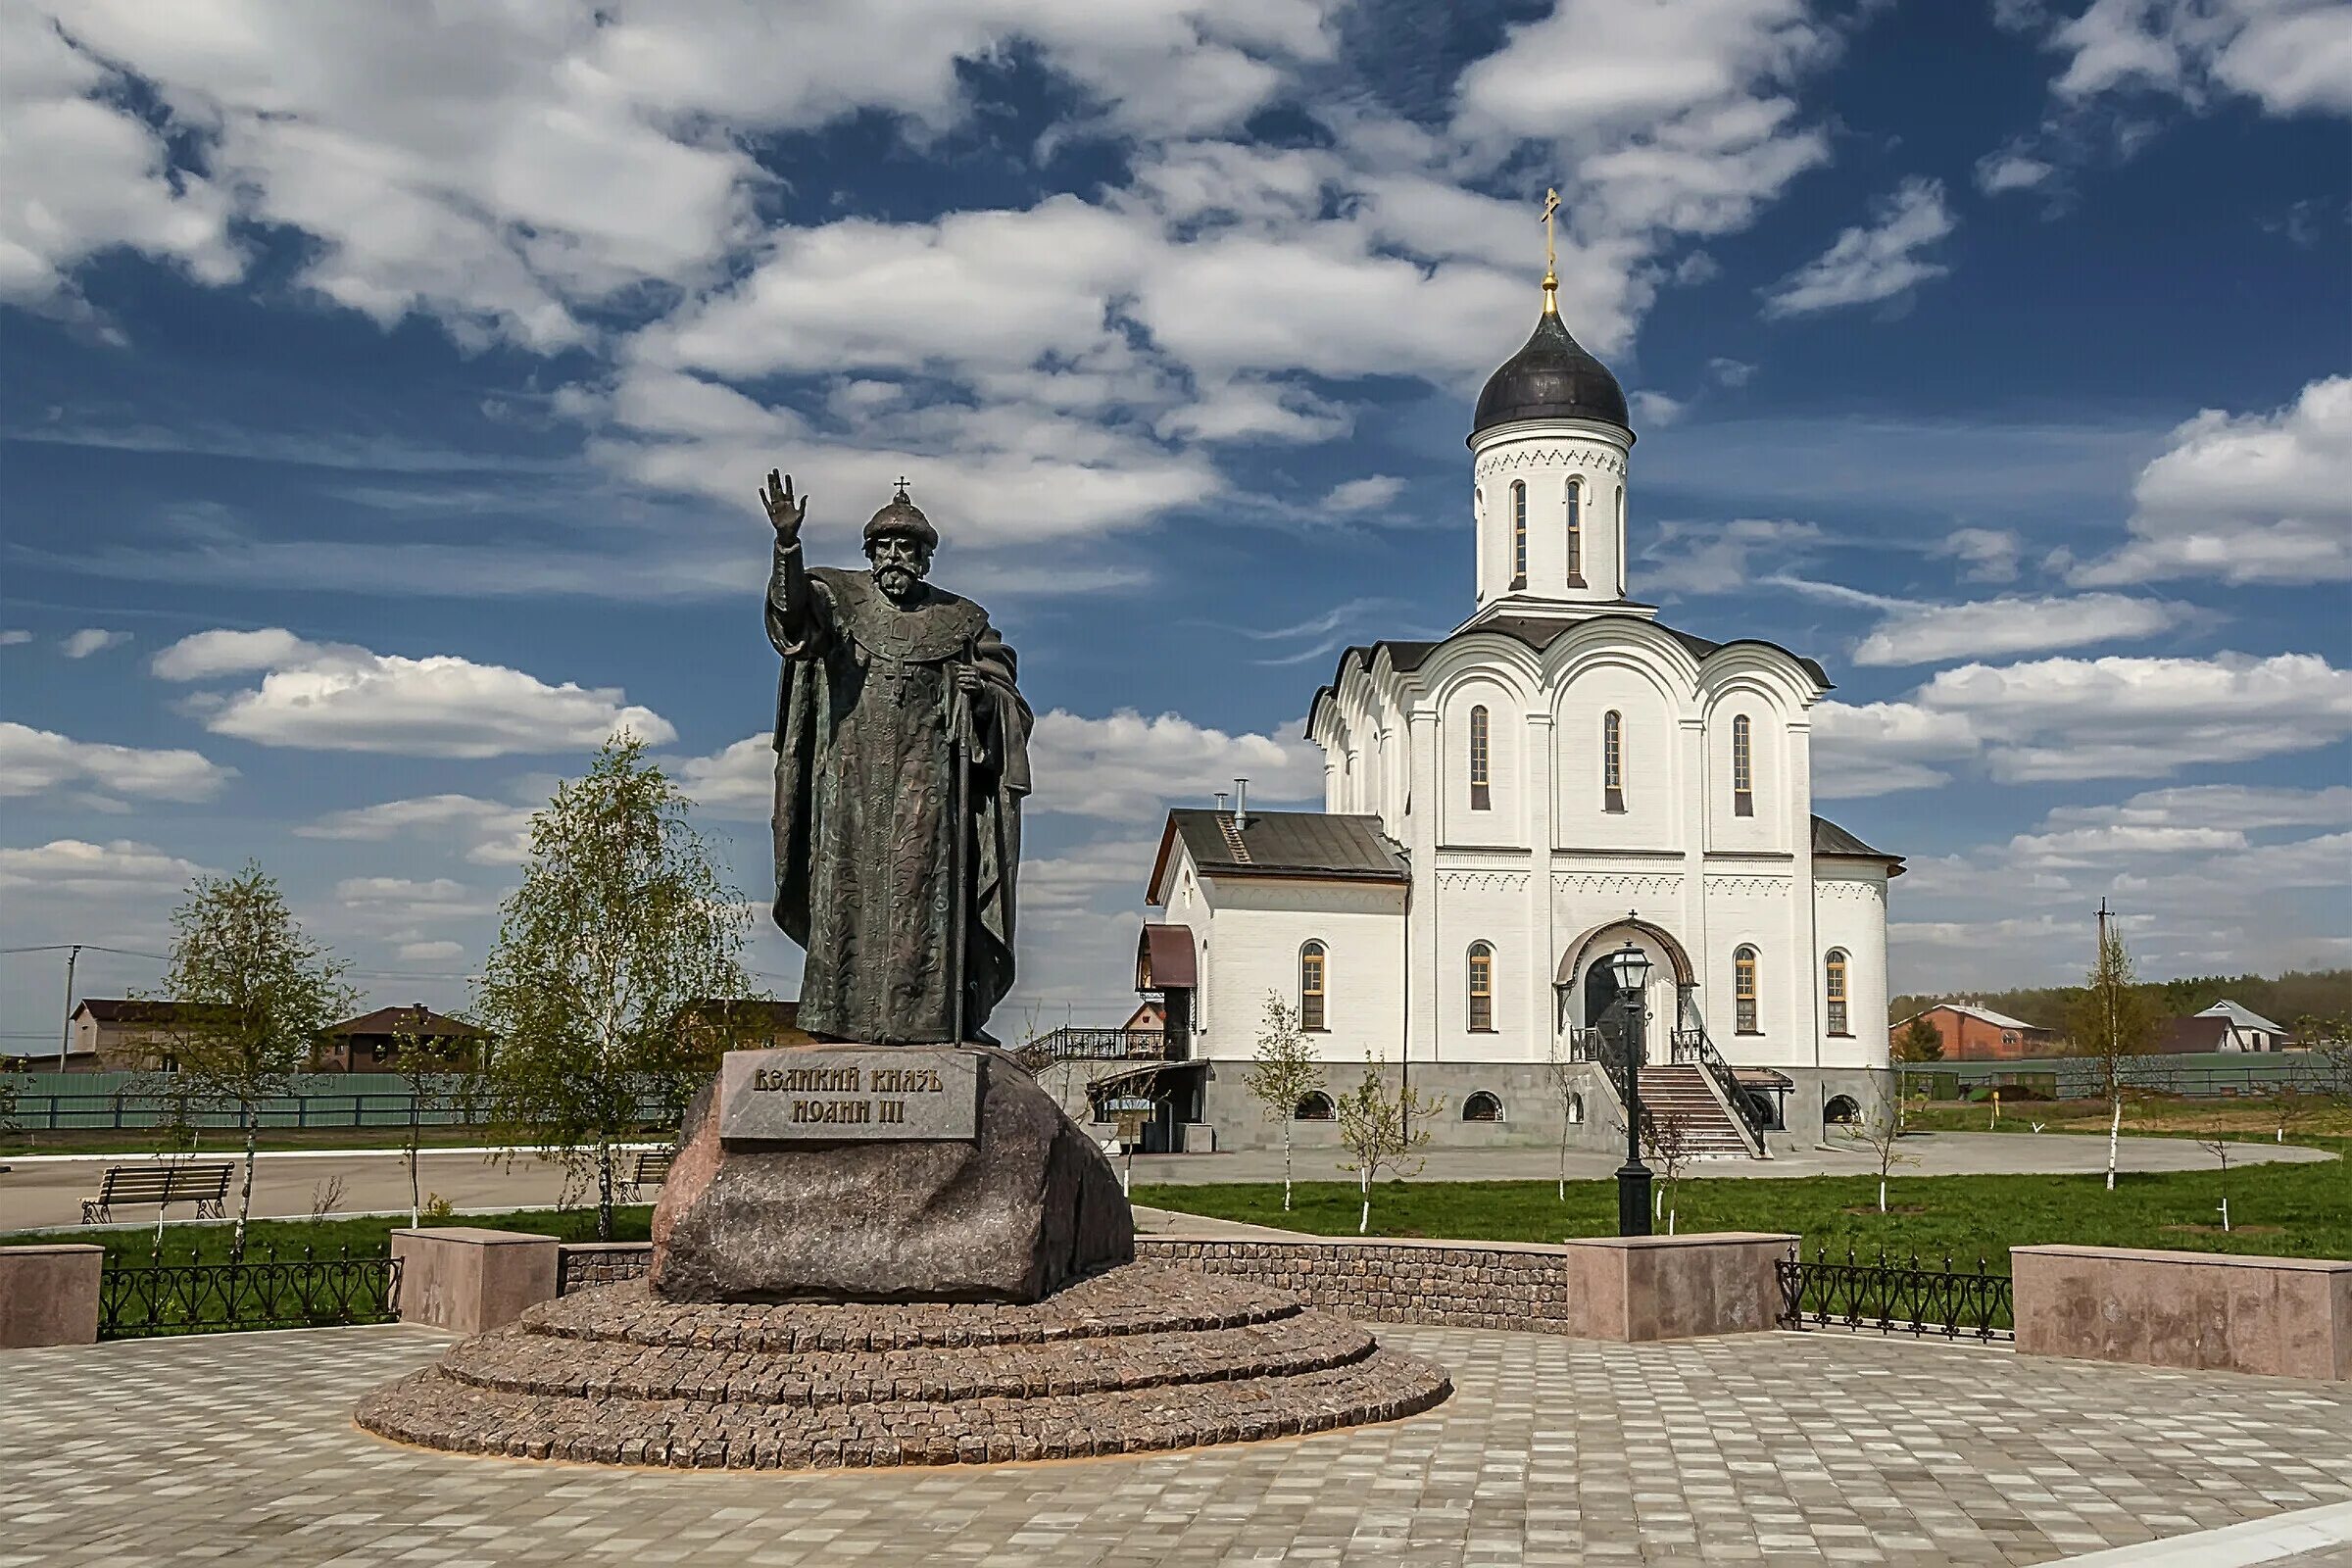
(784, 509)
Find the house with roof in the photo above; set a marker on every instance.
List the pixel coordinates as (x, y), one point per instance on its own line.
(1971, 1032)
(2224, 1026)
(1507, 807)
(372, 1042)
(121, 1034)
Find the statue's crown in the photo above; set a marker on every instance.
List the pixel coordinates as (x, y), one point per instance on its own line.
(901, 516)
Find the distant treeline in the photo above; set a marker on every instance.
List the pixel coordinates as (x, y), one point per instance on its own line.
(2323, 993)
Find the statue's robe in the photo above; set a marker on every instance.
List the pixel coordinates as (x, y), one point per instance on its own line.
(865, 818)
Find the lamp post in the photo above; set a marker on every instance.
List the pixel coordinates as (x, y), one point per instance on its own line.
(1630, 967)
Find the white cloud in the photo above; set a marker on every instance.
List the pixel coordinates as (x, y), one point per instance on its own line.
(491, 832)
(1731, 373)
(1989, 554)
(738, 781)
(33, 760)
(85, 174)
(1866, 264)
(334, 696)
(2245, 499)
(13, 636)
(1655, 408)
(1715, 559)
(1882, 748)
(402, 889)
(119, 868)
(2072, 719)
(2242, 806)
(2290, 56)
(429, 952)
(1127, 767)
(91, 640)
(2009, 169)
(1990, 628)
(1368, 494)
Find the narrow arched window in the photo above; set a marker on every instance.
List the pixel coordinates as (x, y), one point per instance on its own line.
(1482, 988)
(1311, 987)
(1576, 534)
(1743, 771)
(1518, 534)
(1612, 760)
(1481, 797)
(1621, 541)
(1834, 990)
(1743, 991)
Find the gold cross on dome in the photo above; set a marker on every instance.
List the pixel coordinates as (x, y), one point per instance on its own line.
(1552, 204)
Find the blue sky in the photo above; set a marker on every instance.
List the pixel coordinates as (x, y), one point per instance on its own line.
(385, 404)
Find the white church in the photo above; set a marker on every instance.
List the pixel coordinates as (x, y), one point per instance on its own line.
(1506, 809)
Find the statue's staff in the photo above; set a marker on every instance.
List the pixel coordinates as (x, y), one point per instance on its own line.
(960, 796)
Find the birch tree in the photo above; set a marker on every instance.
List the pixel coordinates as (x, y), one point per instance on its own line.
(424, 1061)
(250, 996)
(621, 924)
(1565, 1079)
(1284, 1071)
(1381, 1131)
(2112, 1023)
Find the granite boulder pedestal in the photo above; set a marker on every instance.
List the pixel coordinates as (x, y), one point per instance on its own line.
(914, 1174)
(912, 1256)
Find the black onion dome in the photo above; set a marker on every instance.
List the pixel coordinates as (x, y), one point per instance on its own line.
(1552, 377)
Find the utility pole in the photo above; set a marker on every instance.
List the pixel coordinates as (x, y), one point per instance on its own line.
(64, 1039)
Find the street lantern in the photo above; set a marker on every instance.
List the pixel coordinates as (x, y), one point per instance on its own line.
(1630, 967)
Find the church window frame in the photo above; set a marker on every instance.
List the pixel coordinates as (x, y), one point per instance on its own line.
(1744, 1014)
(1743, 767)
(1315, 988)
(1575, 533)
(1621, 541)
(1834, 987)
(1478, 988)
(1482, 760)
(1612, 760)
(1518, 534)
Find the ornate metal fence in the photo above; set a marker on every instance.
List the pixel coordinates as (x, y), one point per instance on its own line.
(1896, 1297)
(259, 1291)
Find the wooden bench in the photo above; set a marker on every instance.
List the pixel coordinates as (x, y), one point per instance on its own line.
(205, 1186)
(651, 1169)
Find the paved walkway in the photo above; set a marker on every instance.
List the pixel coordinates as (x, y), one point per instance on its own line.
(49, 1191)
(1760, 1450)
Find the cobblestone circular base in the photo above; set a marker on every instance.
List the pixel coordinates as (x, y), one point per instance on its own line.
(1139, 1359)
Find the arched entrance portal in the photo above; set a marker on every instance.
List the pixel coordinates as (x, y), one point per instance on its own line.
(1588, 989)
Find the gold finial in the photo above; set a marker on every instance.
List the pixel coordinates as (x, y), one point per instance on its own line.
(1552, 271)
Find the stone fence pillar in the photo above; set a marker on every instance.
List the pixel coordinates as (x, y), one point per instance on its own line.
(465, 1280)
(2207, 1312)
(49, 1295)
(1637, 1288)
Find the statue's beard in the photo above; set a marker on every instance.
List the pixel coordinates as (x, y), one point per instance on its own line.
(899, 582)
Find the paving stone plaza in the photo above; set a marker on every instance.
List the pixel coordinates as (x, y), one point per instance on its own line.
(1756, 1449)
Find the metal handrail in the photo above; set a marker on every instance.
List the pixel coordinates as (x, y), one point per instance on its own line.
(1694, 1047)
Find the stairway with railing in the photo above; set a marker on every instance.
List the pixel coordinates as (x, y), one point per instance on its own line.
(1692, 1098)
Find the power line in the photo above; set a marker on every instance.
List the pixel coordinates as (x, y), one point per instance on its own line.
(89, 946)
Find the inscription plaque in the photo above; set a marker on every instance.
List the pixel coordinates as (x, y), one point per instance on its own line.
(846, 1095)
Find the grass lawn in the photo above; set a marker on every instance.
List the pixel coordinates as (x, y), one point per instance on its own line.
(2309, 1121)
(328, 1237)
(2296, 1210)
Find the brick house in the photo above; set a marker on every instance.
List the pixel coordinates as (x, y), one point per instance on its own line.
(1971, 1033)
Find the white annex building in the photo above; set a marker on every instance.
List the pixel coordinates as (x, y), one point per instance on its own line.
(1505, 808)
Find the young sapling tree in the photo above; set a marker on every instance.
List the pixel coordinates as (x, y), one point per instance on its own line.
(1283, 1072)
